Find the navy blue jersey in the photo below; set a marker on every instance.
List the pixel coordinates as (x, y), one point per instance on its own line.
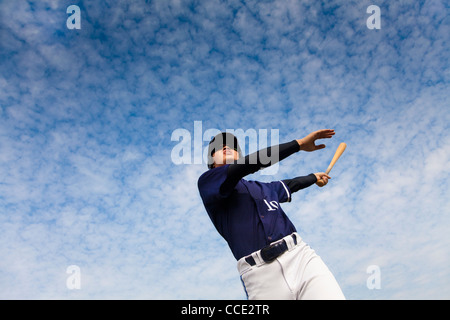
(250, 216)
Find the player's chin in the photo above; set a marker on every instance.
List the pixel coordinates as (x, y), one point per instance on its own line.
(229, 159)
(223, 161)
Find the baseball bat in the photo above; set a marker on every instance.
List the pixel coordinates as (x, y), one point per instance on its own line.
(336, 156)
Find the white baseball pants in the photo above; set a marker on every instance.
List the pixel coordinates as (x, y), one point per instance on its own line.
(297, 274)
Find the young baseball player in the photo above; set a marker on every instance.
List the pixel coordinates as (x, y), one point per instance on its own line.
(273, 260)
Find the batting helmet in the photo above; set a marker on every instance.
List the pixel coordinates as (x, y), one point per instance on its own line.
(218, 142)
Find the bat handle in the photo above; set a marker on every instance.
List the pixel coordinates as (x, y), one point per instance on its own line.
(320, 182)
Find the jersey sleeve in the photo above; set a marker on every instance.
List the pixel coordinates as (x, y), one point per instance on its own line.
(285, 193)
(210, 182)
(281, 190)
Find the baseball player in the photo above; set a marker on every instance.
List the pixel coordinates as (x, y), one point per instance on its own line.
(272, 259)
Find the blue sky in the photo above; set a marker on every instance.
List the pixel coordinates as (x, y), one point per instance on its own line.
(86, 119)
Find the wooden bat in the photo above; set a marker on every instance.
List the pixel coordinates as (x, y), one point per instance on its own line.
(336, 156)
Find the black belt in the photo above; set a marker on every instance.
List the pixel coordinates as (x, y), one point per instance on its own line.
(271, 252)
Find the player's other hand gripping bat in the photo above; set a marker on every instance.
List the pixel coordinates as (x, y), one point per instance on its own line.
(336, 156)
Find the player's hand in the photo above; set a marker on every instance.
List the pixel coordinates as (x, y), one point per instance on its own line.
(322, 176)
(308, 143)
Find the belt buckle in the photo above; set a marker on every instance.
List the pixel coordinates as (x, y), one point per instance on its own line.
(271, 252)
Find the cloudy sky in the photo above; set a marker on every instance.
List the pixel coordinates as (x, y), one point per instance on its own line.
(87, 117)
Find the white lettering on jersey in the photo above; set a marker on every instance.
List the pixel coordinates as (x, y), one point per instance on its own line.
(272, 205)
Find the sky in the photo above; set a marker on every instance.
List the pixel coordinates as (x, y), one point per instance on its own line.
(87, 121)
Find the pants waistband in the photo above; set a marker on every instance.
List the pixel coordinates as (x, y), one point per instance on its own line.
(271, 252)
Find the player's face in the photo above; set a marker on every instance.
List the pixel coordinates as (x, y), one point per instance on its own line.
(224, 156)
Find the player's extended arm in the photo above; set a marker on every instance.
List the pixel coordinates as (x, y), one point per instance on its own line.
(256, 161)
(300, 182)
(271, 155)
(305, 181)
